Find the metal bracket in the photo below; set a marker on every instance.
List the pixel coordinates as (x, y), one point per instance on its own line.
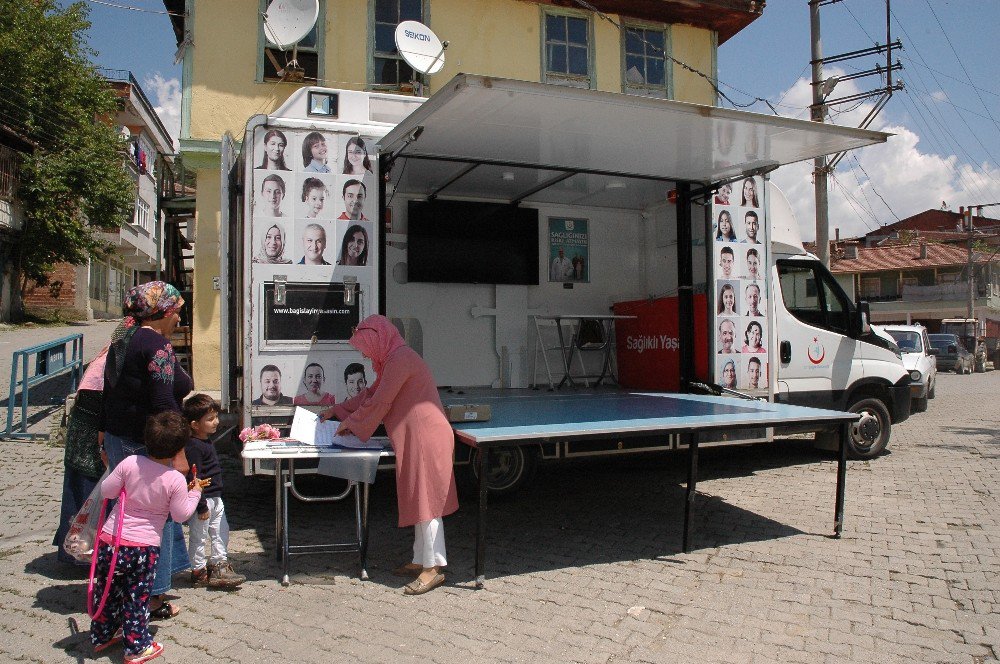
(350, 289)
(280, 282)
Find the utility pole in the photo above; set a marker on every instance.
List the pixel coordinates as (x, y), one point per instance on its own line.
(969, 216)
(821, 89)
(817, 111)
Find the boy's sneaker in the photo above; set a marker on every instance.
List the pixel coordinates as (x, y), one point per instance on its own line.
(223, 576)
(200, 577)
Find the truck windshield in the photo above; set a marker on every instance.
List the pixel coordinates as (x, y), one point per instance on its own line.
(908, 342)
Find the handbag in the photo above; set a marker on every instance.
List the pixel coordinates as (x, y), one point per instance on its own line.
(83, 453)
(82, 535)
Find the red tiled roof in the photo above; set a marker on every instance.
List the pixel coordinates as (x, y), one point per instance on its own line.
(931, 220)
(902, 257)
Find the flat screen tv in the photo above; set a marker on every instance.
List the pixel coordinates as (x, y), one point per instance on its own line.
(472, 243)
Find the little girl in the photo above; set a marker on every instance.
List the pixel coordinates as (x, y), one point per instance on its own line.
(153, 488)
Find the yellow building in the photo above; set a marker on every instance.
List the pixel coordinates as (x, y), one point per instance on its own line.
(664, 48)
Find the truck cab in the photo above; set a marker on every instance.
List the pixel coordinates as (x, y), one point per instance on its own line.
(828, 354)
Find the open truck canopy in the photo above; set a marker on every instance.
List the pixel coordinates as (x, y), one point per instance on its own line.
(572, 146)
(515, 142)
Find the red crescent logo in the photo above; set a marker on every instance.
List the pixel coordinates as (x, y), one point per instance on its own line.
(822, 351)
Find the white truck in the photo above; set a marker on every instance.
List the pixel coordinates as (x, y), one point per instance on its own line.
(495, 203)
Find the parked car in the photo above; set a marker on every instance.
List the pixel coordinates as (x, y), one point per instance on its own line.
(951, 354)
(918, 360)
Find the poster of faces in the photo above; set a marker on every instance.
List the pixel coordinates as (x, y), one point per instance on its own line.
(314, 379)
(313, 199)
(740, 283)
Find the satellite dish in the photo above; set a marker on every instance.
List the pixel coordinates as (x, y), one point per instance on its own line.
(287, 21)
(420, 47)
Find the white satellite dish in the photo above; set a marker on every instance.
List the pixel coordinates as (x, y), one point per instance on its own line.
(286, 22)
(420, 47)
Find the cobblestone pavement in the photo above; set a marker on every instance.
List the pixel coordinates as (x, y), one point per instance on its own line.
(584, 565)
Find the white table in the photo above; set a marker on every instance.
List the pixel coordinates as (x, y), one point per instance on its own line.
(568, 349)
(284, 458)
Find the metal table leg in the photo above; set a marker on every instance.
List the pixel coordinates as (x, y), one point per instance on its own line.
(567, 356)
(838, 512)
(692, 485)
(482, 464)
(278, 548)
(363, 487)
(284, 524)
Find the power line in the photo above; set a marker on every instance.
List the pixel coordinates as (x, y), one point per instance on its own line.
(874, 190)
(960, 63)
(853, 203)
(117, 5)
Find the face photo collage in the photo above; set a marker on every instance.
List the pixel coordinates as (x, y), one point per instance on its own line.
(317, 379)
(739, 252)
(314, 198)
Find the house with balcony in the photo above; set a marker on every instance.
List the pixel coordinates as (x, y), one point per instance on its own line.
(96, 290)
(231, 73)
(919, 281)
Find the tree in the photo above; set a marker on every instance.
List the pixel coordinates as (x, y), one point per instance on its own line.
(73, 183)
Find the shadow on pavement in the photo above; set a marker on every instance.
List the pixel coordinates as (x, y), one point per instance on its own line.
(575, 513)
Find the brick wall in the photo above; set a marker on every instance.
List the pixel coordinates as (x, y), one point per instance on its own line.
(58, 298)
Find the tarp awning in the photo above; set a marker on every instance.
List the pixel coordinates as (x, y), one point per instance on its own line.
(504, 126)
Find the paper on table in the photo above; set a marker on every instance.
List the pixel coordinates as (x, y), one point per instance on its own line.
(307, 429)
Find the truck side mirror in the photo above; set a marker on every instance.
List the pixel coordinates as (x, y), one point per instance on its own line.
(864, 319)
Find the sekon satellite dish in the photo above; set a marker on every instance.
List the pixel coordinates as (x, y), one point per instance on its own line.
(288, 21)
(420, 47)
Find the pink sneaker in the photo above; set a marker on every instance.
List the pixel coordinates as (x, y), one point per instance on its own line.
(150, 653)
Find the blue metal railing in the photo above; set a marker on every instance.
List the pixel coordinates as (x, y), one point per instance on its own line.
(39, 364)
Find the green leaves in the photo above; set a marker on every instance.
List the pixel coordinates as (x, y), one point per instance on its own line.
(51, 94)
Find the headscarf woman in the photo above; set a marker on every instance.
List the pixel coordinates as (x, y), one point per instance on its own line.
(405, 398)
(142, 377)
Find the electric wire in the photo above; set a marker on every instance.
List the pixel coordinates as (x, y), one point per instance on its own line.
(861, 188)
(874, 190)
(854, 204)
(960, 63)
(117, 5)
(961, 117)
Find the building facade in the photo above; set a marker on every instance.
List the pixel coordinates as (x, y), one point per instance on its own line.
(231, 73)
(96, 290)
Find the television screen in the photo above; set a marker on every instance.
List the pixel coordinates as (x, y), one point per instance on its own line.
(472, 243)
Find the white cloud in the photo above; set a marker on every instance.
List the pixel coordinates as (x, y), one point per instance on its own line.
(166, 94)
(939, 95)
(908, 176)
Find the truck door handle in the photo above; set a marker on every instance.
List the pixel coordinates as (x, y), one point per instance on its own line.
(786, 352)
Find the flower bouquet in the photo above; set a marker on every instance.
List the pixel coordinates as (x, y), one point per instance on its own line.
(259, 432)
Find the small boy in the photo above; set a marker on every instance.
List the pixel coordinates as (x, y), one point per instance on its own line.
(153, 489)
(202, 412)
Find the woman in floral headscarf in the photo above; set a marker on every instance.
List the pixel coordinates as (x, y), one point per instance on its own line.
(406, 400)
(142, 378)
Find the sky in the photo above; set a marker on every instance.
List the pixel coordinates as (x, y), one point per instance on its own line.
(946, 122)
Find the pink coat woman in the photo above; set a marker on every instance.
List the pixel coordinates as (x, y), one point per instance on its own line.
(406, 400)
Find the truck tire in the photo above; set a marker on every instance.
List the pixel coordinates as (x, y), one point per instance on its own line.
(510, 469)
(870, 434)
(981, 366)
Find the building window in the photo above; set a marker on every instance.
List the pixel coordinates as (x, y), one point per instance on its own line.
(645, 63)
(9, 163)
(389, 71)
(98, 281)
(871, 287)
(272, 61)
(566, 47)
(142, 215)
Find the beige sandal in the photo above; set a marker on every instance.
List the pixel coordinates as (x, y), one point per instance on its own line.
(418, 587)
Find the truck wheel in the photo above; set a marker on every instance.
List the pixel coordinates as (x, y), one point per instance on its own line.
(981, 366)
(920, 405)
(870, 434)
(510, 469)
